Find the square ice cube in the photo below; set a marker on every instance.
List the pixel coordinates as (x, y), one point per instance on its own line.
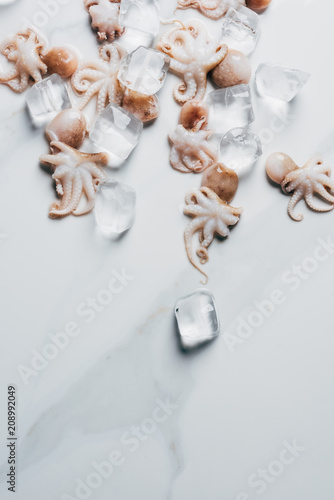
(230, 107)
(282, 83)
(47, 98)
(239, 149)
(116, 131)
(144, 70)
(115, 206)
(197, 318)
(241, 29)
(142, 15)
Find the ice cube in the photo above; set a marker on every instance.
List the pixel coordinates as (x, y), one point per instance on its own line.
(241, 29)
(273, 80)
(144, 70)
(142, 15)
(114, 207)
(117, 132)
(134, 38)
(197, 318)
(230, 107)
(46, 99)
(239, 149)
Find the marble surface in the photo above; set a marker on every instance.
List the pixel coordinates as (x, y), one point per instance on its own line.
(171, 425)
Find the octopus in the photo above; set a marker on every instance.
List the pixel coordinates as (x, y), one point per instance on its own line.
(24, 50)
(75, 174)
(193, 54)
(214, 9)
(105, 18)
(314, 178)
(211, 215)
(99, 78)
(191, 151)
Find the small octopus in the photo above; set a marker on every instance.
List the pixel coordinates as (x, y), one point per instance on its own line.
(211, 215)
(191, 151)
(24, 50)
(99, 78)
(214, 9)
(105, 18)
(75, 174)
(314, 178)
(193, 54)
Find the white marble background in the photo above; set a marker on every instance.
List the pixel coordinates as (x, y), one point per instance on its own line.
(233, 408)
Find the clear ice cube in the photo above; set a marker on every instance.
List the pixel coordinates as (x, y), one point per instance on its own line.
(47, 98)
(144, 70)
(273, 80)
(197, 318)
(230, 107)
(117, 132)
(241, 29)
(239, 149)
(115, 206)
(134, 38)
(141, 15)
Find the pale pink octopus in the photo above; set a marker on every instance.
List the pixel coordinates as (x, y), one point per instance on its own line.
(105, 18)
(99, 77)
(314, 178)
(211, 216)
(24, 50)
(191, 151)
(193, 54)
(214, 9)
(75, 174)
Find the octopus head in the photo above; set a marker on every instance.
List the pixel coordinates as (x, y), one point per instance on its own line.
(177, 43)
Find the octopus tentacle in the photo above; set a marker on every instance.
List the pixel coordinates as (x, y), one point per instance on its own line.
(218, 57)
(64, 188)
(84, 79)
(310, 201)
(72, 205)
(92, 91)
(289, 178)
(326, 181)
(191, 229)
(102, 97)
(13, 73)
(95, 171)
(186, 90)
(319, 188)
(295, 198)
(89, 187)
(213, 9)
(208, 233)
(178, 66)
(19, 86)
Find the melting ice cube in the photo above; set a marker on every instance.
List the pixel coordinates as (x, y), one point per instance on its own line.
(116, 131)
(239, 149)
(144, 70)
(46, 99)
(197, 318)
(273, 80)
(230, 107)
(114, 207)
(241, 29)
